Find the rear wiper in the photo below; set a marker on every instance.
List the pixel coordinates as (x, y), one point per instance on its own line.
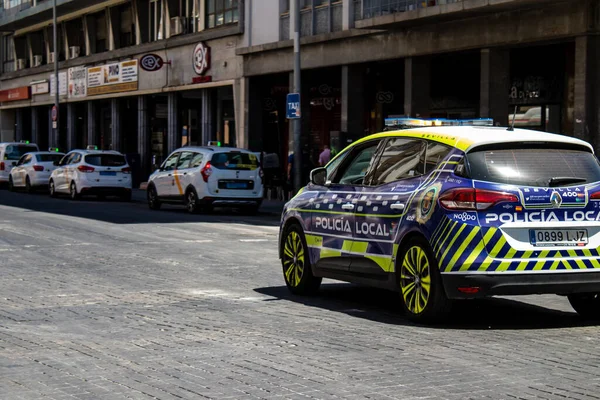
(564, 180)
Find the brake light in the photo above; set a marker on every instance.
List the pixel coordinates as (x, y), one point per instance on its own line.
(593, 196)
(261, 174)
(126, 170)
(206, 171)
(38, 168)
(85, 168)
(2, 166)
(474, 199)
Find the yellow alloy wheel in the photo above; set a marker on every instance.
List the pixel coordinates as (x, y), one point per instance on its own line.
(293, 259)
(415, 279)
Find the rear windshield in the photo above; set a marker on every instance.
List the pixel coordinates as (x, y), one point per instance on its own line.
(534, 167)
(49, 157)
(16, 151)
(105, 160)
(235, 161)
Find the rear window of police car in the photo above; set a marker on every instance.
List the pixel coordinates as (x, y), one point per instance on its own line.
(234, 161)
(105, 160)
(15, 152)
(533, 166)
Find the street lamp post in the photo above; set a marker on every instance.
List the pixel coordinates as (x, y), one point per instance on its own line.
(297, 124)
(56, 84)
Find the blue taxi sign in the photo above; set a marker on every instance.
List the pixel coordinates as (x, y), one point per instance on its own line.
(293, 106)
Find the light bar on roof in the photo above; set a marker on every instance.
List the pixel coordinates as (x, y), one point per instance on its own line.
(404, 123)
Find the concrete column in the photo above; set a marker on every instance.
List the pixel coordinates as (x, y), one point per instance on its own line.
(417, 84)
(35, 126)
(92, 128)
(207, 119)
(173, 141)
(19, 128)
(348, 15)
(115, 113)
(352, 121)
(494, 85)
(143, 134)
(241, 101)
(51, 130)
(586, 91)
(71, 134)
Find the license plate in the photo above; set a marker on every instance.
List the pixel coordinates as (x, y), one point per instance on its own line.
(558, 237)
(108, 173)
(237, 185)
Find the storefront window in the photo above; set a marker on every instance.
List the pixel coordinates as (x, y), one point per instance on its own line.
(221, 12)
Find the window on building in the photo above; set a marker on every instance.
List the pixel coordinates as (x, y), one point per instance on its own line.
(8, 53)
(316, 17)
(101, 32)
(221, 12)
(127, 31)
(156, 23)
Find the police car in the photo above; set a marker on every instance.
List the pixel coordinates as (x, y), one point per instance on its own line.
(10, 153)
(33, 170)
(451, 212)
(208, 176)
(91, 172)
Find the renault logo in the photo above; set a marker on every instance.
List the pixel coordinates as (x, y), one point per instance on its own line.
(555, 199)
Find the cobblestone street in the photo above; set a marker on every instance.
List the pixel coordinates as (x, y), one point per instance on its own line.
(109, 300)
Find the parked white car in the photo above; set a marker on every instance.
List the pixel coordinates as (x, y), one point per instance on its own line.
(205, 177)
(33, 170)
(10, 153)
(92, 172)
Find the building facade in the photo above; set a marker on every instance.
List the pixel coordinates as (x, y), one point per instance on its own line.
(142, 77)
(147, 76)
(367, 60)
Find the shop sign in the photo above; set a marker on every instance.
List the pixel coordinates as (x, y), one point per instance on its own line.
(62, 80)
(112, 78)
(77, 82)
(151, 62)
(201, 58)
(534, 90)
(385, 97)
(20, 93)
(40, 88)
(202, 79)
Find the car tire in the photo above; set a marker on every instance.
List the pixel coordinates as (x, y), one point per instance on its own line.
(73, 192)
(11, 186)
(587, 305)
(295, 261)
(28, 187)
(153, 202)
(191, 201)
(51, 188)
(420, 283)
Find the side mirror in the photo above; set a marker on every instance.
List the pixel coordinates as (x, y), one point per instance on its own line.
(55, 163)
(318, 176)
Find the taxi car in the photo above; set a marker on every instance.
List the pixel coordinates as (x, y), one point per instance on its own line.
(10, 153)
(91, 172)
(208, 176)
(451, 212)
(33, 170)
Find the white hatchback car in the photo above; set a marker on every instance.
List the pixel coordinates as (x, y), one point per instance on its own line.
(10, 153)
(204, 177)
(92, 172)
(33, 170)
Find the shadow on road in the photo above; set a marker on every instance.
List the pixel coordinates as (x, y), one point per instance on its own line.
(384, 306)
(115, 211)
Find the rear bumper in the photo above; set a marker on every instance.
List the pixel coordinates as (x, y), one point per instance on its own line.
(232, 201)
(106, 190)
(519, 284)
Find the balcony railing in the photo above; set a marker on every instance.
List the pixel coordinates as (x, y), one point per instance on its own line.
(364, 9)
(11, 7)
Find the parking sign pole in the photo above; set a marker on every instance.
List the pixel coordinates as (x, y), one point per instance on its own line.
(297, 122)
(57, 85)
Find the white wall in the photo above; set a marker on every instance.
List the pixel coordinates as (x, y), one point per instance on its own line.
(262, 21)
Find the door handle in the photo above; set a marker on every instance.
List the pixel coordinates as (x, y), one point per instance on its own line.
(170, 175)
(348, 206)
(185, 173)
(397, 206)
